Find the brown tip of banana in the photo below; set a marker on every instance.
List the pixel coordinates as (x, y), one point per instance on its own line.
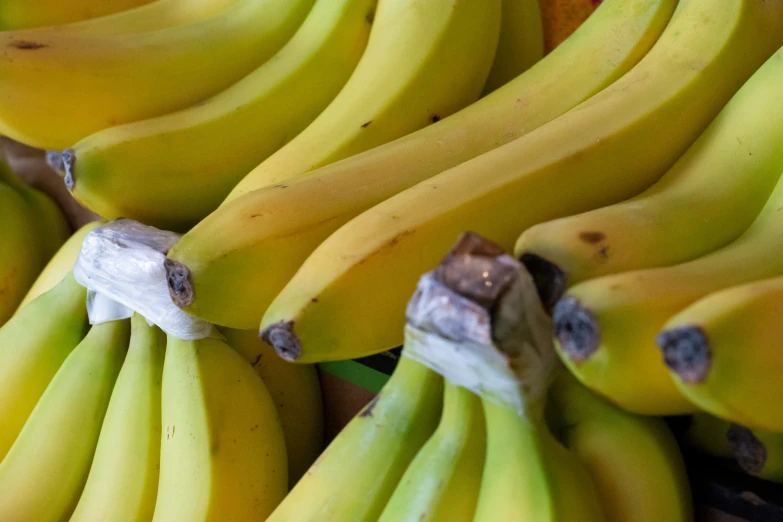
(282, 338)
(686, 351)
(178, 279)
(54, 158)
(576, 329)
(550, 279)
(749, 452)
(68, 162)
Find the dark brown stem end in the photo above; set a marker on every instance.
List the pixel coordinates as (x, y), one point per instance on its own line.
(686, 351)
(178, 279)
(749, 452)
(576, 329)
(550, 279)
(282, 338)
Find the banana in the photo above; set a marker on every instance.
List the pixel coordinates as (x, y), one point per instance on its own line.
(123, 480)
(723, 350)
(296, 392)
(708, 435)
(615, 446)
(424, 61)
(33, 345)
(60, 265)
(173, 170)
(707, 199)
(442, 482)
(43, 474)
(357, 473)
(607, 327)
(141, 75)
(21, 14)
(596, 154)
(289, 221)
(758, 452)
(521, 42)
(222, 455)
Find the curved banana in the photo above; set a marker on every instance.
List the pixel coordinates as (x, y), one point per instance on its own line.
(33, 345)
(521, 42)
(290, 220)
(615, 446)
(707, 199)
(141, 75)
(296, 392)
(707, 434)
(123, 482)
(758, 452)
(724, 351)
(59, 265)
(173, 170)
(357, 473)
(43, 474)
(222, 455)
(424, 61)
(607, 327)
(442, 482)
(21, 14)
(342, 301)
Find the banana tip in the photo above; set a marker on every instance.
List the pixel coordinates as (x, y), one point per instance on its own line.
(575, 329)
(178, 279)
(686, 351)
(749, 452)
(282, 338)
(67, 162)
(550, 279)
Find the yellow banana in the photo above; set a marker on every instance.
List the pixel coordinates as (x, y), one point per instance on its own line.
(634, 461)
(708, 435)
(123, 480)
(521, 42)
(758, 452)
(424, 61)
(296, 392)
(357, 473)
(141, 75)
(273, 230)
(724, 351)
(222, 455)
(20, 14)
(607, 327)
(60, 265)
(442, 482)
(33, 345)
(43, 474)
(173, 170)
(707, 199)
(345, 299)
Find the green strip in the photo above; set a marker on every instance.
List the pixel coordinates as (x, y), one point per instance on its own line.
(356, 373)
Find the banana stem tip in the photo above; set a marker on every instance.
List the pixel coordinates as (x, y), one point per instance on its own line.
(282, 338)
(686, 351)
(67, 162)
(749, 452)
(576, 329)
(178, 279)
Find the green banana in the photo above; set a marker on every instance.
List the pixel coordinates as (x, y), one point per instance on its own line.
(44, 472)
(235, 275)
(442, 482)
(222, 453)
(708, 434)
(123, 480)
(33, 346)
(357, 473)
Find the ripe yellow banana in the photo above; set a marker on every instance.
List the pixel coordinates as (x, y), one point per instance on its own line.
(296, 392)
(345, 299)
(43, 474)
(634, 461)
(521, 42)
(707, 434)
(707, 199)
(442, 482)
(607, 327)
(273, 230)
(106, 81)
(357, 473)
(724, 351)
(21, 14)
(60, 265)
(758, 452)
(33, 345)
(173, 170)
(222, 455)
(424, 61)
(123, 480)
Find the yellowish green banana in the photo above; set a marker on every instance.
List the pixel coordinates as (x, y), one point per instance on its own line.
(21, 14)
(708, 434)
(123, 482)
(222, 453)
(44, 472)
(234, 276)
